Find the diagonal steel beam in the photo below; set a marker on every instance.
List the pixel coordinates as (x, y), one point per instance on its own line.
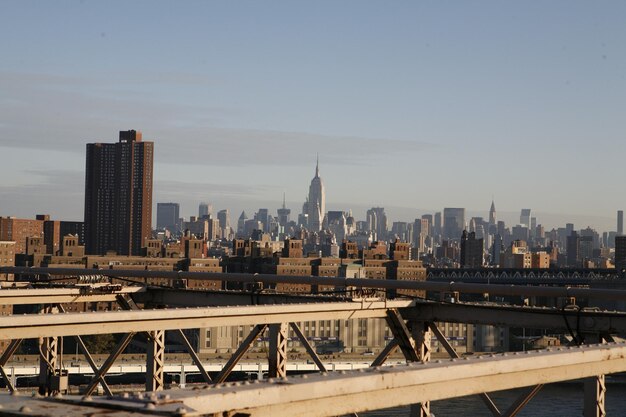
(243, 348)
(194, 356)
(122, 344)
(521, 402)
(7, 380)
(308, 347)
(403, 336)
(453, 354)
(391, 347)
(6, 355)
(87, 355)
(92, 364)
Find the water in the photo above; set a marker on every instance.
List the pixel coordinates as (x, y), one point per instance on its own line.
(553, 400)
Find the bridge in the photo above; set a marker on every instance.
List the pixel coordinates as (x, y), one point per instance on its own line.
(413, 323)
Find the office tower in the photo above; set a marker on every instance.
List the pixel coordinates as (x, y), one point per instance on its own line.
(525, 217)
(573, 250)
(283, 214)
(168, 217)
(223, 216)
(315, 207)
(263, 216)
(620, 254)
(620, 222)
(453, 222)
(438, 225)
(241, 224)
(118, 195)
(205, 210)
(377, 222)
(471, 250)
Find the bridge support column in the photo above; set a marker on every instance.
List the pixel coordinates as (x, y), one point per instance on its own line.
(278, 350)
(421, 335)
(155, 361)
(595, 390)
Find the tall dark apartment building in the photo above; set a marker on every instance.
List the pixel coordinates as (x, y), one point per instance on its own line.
(118, 195)
(471, 250)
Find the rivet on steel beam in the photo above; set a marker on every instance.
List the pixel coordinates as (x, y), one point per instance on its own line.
(150, 406)
(87, 398)
(25, 409)
(181, 411)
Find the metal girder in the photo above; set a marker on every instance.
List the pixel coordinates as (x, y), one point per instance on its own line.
(588, 321)
(202, 298)
(522, 400)
(277, 358)
(595, 390)
(10, 296)
(241, 350)
(92, 364)
(99, 376)
(391, 347)
(421, 336)
(72, 324)
(453, 354)
(402, 336)
(155, 361)
(494, 289)
(6, 355)
(333, 393)
(308, 347)
(194, 356)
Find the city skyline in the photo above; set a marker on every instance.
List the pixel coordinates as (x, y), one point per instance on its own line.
(450, 103)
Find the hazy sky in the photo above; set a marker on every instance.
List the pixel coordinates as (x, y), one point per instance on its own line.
(413, 105)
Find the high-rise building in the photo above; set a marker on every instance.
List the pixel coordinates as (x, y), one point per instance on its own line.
(118, 195)
(492, 214)
(223, 216)
(620, 254)
(620, 222)
(204, 210)
(283, 214)
(168, 216)
(525, 217)
(315, 207)
(453, 222)
(471, 250)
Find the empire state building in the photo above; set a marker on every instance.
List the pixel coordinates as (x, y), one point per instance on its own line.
(316, 204)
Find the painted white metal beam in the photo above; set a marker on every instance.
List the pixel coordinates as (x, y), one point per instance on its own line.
(75, 324)
(340, 393)
(19, 296)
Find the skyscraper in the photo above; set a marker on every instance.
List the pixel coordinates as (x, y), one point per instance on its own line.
(492, 214)
(118, 195)
(316, 204)
(283, 214)
(525, 217)
(168, 217)
(453, 222)
(620, 222)
(204, 210)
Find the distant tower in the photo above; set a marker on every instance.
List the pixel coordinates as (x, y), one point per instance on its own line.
(241, 223)
(204, 210)
(525, 218)
(492, 214)
(316, 207)
(620, 222)
(283, 214)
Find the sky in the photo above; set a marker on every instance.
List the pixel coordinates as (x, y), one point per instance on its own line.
(411, 105)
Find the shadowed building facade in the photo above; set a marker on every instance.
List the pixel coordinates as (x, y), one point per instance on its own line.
(118, 195)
